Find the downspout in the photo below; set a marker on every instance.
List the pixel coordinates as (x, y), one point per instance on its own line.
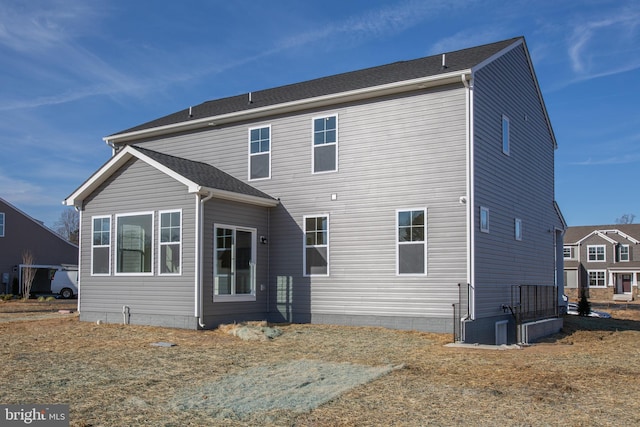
(78, 208)
(114, 150)
(468, 84)
(199, 300)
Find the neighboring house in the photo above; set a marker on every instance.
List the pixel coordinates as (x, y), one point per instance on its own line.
(404, 196)
(603, 261)
(19, 233)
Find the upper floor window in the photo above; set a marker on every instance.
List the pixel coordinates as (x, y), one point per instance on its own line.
(623, 253)
(596, 253)
(170, 242)
(134, 243)
(518, 229)
(484, 219)
(316, 245)
(325, 144)
(101, 245)
(260, 153)
(506, 144)
(412, 241)
(1, 224)
(597, 279)
(568, 252)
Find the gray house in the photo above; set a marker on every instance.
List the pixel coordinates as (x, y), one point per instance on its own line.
(603, 261)
(20, 232)
(414, 195)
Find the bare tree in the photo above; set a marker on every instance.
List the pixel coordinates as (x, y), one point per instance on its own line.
(28, 273)
(626, 219)
(68, 225)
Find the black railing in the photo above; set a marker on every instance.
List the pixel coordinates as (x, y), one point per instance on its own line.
(534, 302)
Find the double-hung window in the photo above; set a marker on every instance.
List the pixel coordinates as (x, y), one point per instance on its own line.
(1, 224)
(234, 266)
(623, 253)
(597, 279)
(170, 242)
(567, 252)
(506, 142)
(411, 242)
(260, 153)
(101, 245)
(325, 144)
(596, 253)
(134, 243)
(316, 245)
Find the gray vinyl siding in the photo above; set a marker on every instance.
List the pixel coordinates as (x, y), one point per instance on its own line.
(138, 187)
(239, 215)
(402, 152)
(518, 185)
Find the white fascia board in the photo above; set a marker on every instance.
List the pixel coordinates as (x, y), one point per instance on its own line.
(598, 233)
(237, 197)
(620, 233)
(319, 101)
(115, 163)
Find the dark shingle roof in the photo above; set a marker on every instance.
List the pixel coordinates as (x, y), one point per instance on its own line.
(203, 174)
(369, 77)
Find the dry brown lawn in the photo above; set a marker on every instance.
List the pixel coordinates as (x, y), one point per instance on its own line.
(111, 375)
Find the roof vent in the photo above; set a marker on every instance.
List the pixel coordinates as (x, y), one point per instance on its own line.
(250, 98)
(444, 61)
(190, 112)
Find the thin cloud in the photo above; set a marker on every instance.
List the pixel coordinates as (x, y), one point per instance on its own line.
(612, 160)
(595, 45)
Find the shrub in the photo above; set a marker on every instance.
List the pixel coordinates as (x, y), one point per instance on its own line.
(584, 306)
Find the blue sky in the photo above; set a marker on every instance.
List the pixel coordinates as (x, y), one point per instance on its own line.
(74, 71)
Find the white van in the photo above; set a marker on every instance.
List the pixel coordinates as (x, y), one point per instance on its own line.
(65, 283)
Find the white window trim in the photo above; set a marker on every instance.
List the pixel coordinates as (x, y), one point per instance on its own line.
(517, 224)
(620, 253)
(398, 243)
(485, 210)
(572, 252)
(304, 245)
(115, 241)
(4, 224)
(597, 260)
(260, 153)
(160, 243)
(313, 146)
(506, 147)
(254, 256)
(597, 271)
(93, 218)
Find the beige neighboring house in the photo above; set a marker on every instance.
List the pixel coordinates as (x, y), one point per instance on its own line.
(602, 260)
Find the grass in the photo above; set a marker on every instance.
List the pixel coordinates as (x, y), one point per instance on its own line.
(111, 375)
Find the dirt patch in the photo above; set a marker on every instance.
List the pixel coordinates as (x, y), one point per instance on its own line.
(111, 375)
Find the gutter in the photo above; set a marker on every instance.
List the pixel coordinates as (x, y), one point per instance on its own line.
(319, 101)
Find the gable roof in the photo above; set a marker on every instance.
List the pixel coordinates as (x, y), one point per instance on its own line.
(361, 84)
(199, 178)
(38, 223)
(629, 232)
